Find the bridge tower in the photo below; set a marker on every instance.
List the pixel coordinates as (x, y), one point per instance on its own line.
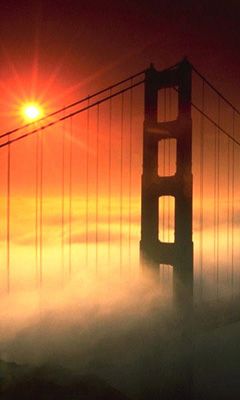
(154, 252)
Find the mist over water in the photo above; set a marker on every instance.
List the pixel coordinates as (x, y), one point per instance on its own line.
(94, 326)
(115, 322)
(83, 302)
(124, 329)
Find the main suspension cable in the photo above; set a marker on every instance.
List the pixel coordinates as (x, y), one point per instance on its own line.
(52, 123)
(78, 102)
(216, 90)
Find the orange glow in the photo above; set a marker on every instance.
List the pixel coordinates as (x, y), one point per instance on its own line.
(32, 111)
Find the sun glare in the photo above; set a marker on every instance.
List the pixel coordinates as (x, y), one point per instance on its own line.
(32, 111)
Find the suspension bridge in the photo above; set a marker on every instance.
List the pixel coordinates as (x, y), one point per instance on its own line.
(152, 159)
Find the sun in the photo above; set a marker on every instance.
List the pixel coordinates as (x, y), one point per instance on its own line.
(32, 112)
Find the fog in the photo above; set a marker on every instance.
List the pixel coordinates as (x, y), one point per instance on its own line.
(98, 326)
(126, 330)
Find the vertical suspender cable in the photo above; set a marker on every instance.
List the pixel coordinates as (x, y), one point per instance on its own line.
(41, 212)
(121, 179)
(97, 187)
(201, 191)
(87, 183)
(8, 213)
(215, 200)
(228, 204)
(130, 178)
(217, 193)
(63, 201)
(233, 206)
(70, 201)
(36, 207)
(109, 176)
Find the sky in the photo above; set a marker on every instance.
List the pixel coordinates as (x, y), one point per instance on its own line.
(59, 51)
(63, 49)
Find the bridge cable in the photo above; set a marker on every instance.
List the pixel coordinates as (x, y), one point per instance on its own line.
(87, 185)
(36, 206)
(218, 192)
(41, 212)
(215, 90)
(48, 125)
(76, 103)
(63, 203)
(228, 203)
(233, 205)
(97, 189)
(130, 178)
(8, 215)
(121, 180)
(217, 126)
(215, 198)
(70, 200)
(208, 118)
(201, 188)
(109, 177)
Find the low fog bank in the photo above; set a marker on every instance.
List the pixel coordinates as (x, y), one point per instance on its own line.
(113, 338)
(107, 328)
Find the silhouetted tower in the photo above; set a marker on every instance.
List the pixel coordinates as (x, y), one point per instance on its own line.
(179, 254)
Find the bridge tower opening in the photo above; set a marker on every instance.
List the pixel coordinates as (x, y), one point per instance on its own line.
(154, 252)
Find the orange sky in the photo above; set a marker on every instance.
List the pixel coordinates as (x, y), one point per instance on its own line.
(56, 57)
